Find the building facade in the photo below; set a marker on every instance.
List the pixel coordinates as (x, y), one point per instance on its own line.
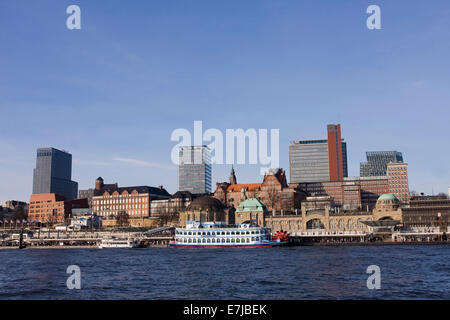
(351, 194)
(319, 213)
(426, 212)
(274, 192)
(53, 173)
(194, 169)
(397, 174)
(362, 193)
(53, 208)
(319, 160)
(109, 199)
(86, 194)
(377, 162)
(206, 209)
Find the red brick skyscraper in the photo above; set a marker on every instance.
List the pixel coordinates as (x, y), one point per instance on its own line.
(335, 156)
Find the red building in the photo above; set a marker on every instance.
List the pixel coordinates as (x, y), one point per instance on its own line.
(53, 208)
(274, 192)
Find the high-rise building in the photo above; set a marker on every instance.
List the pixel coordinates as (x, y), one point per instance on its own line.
(53, 173)
(194, 169)
(377, 162)
(319, 160)
(397, 174)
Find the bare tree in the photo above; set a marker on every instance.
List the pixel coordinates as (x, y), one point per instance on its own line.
(122, 219)
(273, 197)
(19, 213)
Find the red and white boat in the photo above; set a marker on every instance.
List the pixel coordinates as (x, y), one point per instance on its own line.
(219, 235)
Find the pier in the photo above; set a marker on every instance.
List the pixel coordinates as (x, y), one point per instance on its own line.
(158, 237)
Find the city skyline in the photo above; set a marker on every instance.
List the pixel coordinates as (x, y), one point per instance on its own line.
(112, 92)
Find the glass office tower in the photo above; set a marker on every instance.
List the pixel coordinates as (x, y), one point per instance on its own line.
(319, 160)
(53, 173)
(377, 162)
(194, 169)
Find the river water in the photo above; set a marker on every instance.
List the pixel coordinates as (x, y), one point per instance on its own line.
(407, 272)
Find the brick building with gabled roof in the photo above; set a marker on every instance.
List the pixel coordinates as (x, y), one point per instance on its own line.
(110, 199)
(274, 192)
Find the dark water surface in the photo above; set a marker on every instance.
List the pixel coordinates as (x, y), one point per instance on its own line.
(407, 272)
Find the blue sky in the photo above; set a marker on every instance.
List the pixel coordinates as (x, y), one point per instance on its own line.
(113, 92)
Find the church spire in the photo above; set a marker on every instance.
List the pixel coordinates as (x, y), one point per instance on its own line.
(232, 176)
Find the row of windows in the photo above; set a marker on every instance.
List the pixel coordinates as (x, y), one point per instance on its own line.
(131, 213)
(122, 207)
(218, 233)
(228, 240)
(122, 200)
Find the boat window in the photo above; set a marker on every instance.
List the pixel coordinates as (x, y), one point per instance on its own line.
(189, 233)
(232, 240)
(204, 233)
(213, 240)
(208, 233)
(238, 240)
(228, 240)
(248, 239)
(228, 232)
(232, 232)
(209, 240)
(248, 232)
(213, 233)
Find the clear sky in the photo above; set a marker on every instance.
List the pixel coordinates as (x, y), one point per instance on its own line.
(113, 92)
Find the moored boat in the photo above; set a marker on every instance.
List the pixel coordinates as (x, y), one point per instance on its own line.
(117, 243)
(219, 235)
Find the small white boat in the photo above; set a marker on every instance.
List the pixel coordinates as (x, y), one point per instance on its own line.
(117, 243)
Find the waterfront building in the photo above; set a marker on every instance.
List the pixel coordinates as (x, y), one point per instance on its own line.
(194, 169)
(109, 199)
(387, 208)
(274, 192)
(322, 214)
(377, 162)
(206, 209)
(167, 210)
(53, 173)
(319, 160)
(251, 210)
(83, 218)
(319, 214)
(53, 208)
(362, 192)
(426, 212)
(353, 193)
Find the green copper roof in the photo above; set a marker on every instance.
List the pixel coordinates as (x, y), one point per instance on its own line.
(252, 205)
(387, 196)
